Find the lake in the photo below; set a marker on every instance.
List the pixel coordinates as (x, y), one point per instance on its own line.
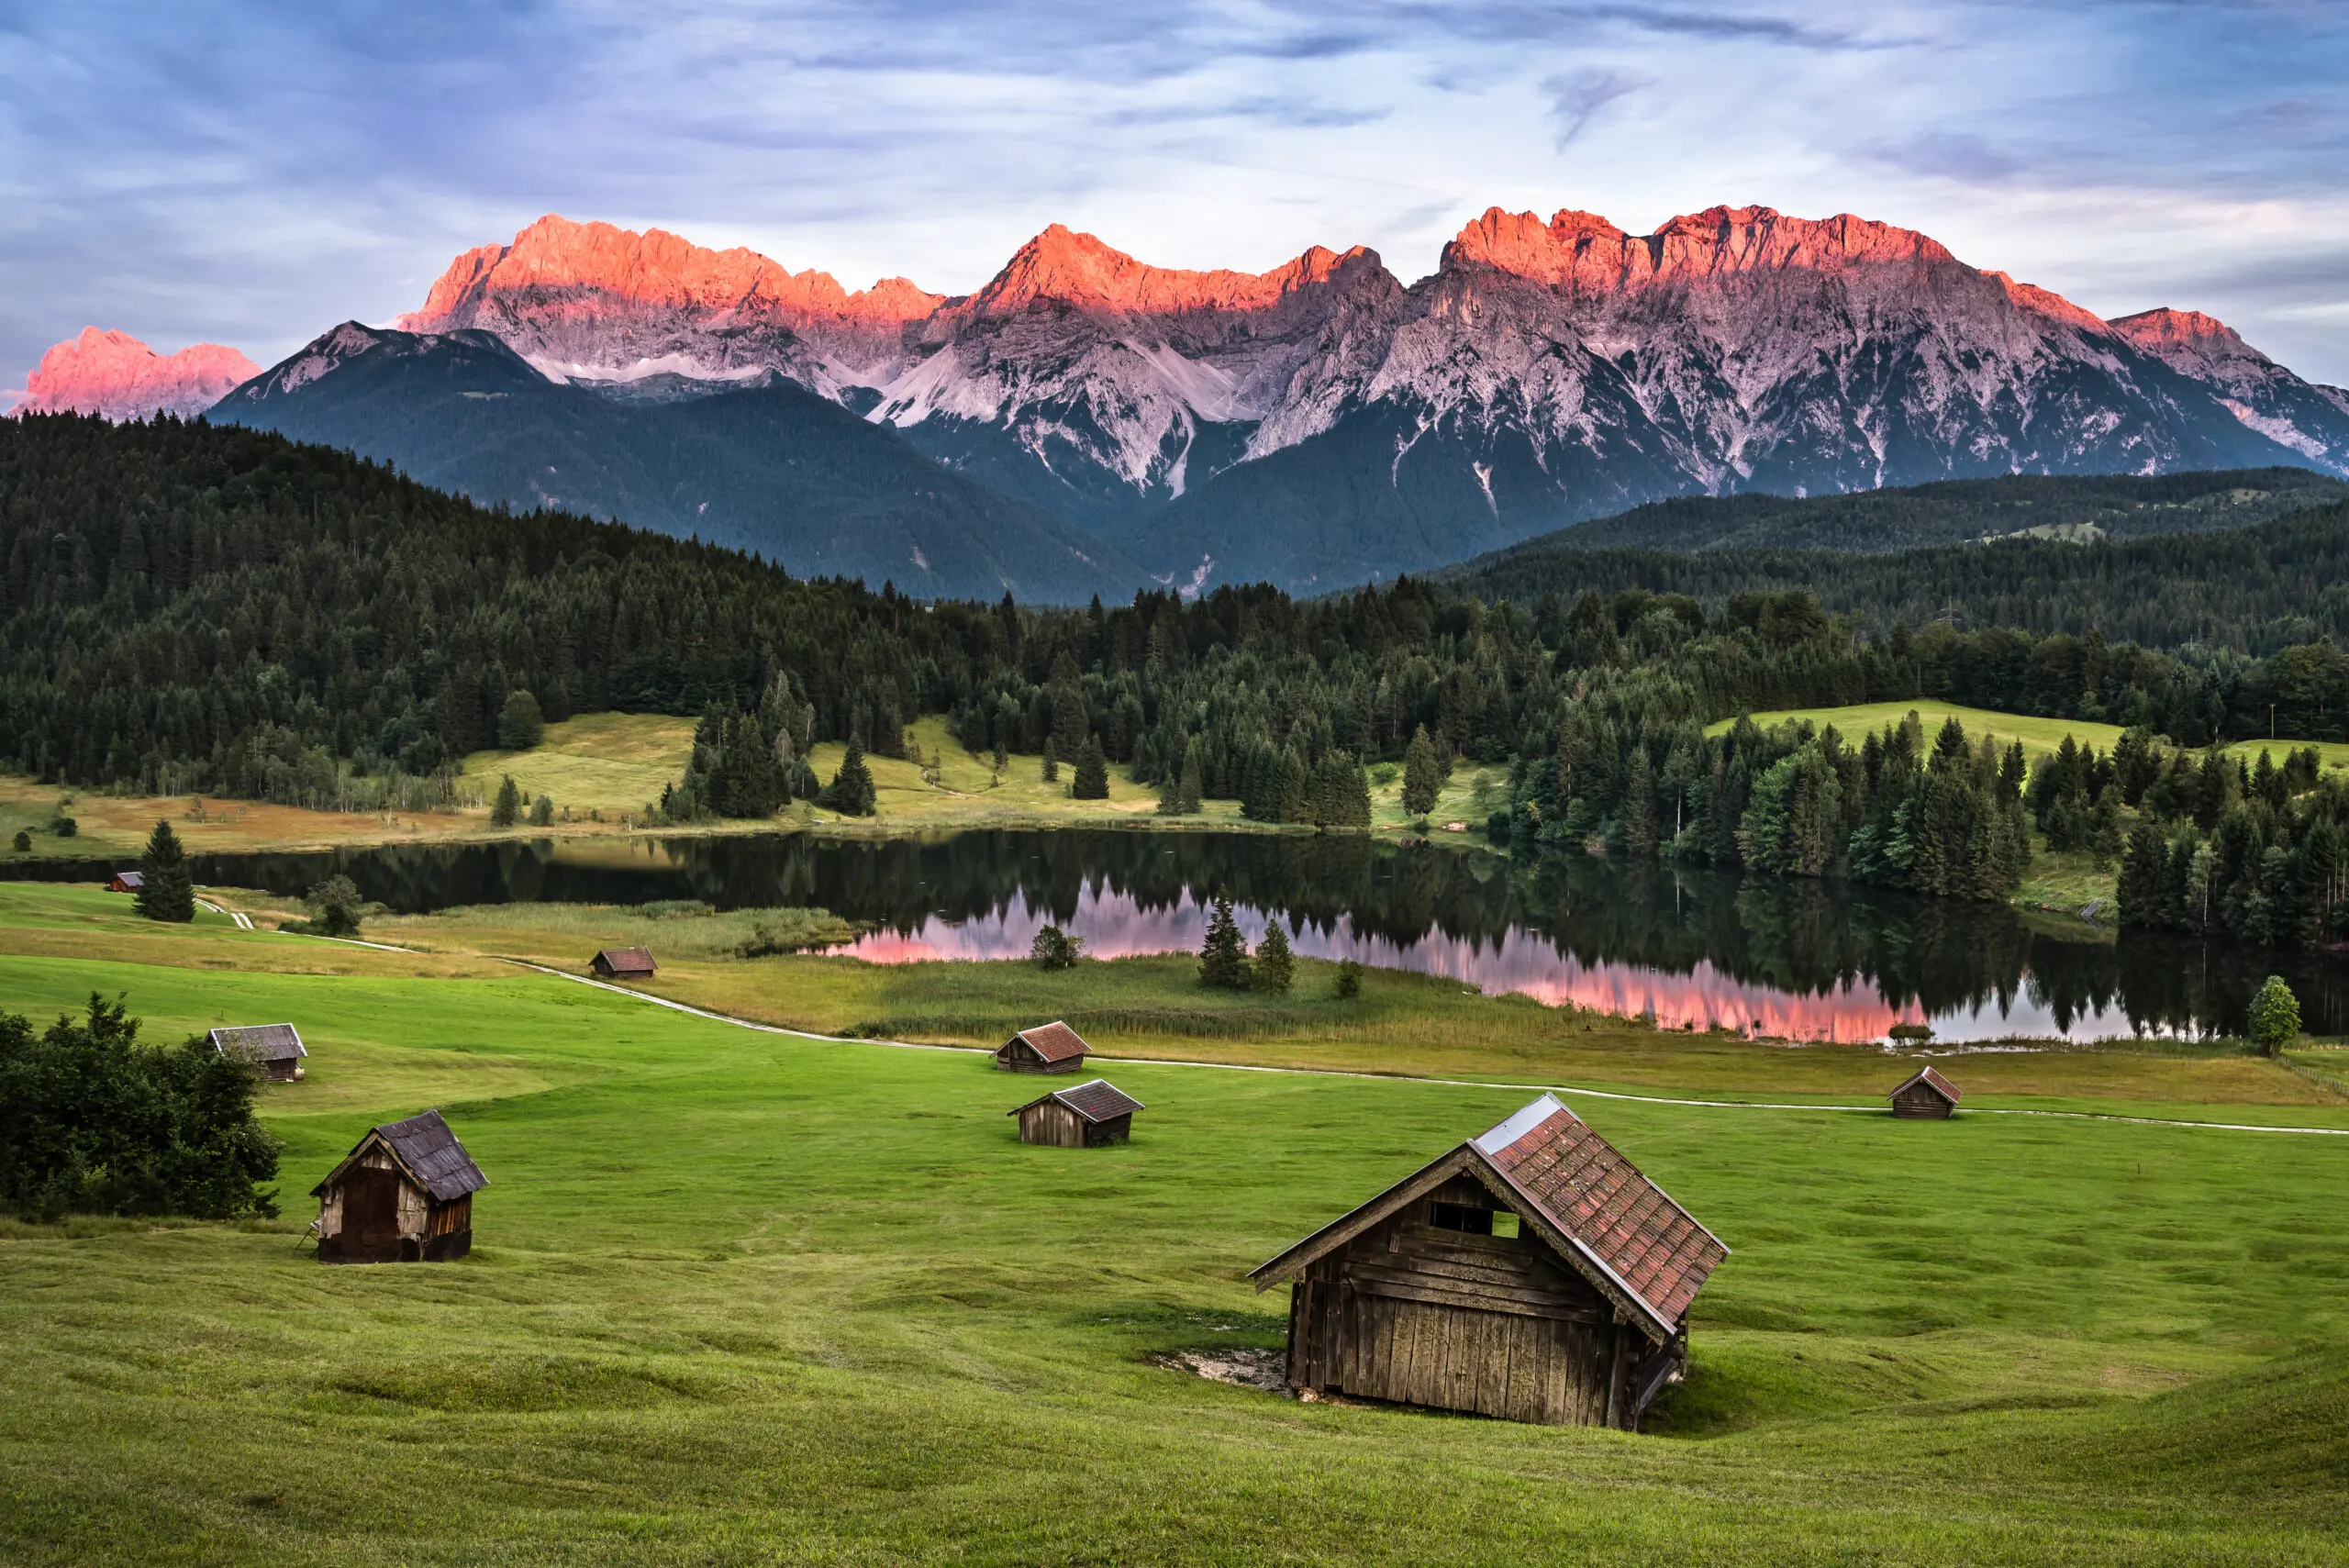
(1791, 958)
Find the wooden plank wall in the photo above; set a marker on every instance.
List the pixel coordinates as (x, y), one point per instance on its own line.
(1917, 1102)
(1052, 1123)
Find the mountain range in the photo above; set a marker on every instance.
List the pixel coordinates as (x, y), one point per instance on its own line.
(1085, 419)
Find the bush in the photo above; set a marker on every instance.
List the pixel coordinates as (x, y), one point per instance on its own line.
(94, 1122)
(1912, 1032)
(63, 827)
(335, 909)
(24, 843)
(520, 725)
(1349, 980)
(1055, 948)
(542, 811)
(2275, 1017)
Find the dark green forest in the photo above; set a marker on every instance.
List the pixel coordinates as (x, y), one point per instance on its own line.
(186, 608)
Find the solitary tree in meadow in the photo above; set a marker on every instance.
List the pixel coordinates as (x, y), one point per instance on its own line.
(1422, 774)
(2275, 1017)
(167, 890)
(507, 810)
(1092, 780)
(1223, 960)
(1274, 967)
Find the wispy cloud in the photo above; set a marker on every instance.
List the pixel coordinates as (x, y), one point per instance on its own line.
(1576, 96)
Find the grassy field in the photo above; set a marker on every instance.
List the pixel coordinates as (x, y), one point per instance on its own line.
(742, 1297)
(610, 763)
(2040, 737)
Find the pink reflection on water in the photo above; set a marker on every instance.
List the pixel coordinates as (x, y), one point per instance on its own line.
(1114, 924)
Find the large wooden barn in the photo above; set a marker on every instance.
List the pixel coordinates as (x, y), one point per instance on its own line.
(1048, 1048)
(1087, 1117)
(403, 1194)
(1532, 1273)
(275, 1049)
(1928, 1097)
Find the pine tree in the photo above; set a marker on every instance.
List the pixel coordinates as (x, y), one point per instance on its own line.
(1223, 958)
(2144, 879)
(850, 793)
(167, 889)
(1189, 800)
(542, 811)
(520, 725)
(1051, 762)
(1422, 774)
(507, 810)
(1092, 780)
(1274, 967)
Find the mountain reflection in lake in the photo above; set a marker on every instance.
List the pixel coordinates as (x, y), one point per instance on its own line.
(1785, 957)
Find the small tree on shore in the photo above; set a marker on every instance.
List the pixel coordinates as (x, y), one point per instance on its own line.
(542, 811)
(334, 907)
(1223, 960)
(1092, 780)
(2275, 1017)
(1055, 948)
(1274, 967)
(1422, 774)
(1051, 762)
(167, 890)
(507, 810)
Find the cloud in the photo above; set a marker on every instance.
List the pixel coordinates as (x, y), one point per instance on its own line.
(1576, 96)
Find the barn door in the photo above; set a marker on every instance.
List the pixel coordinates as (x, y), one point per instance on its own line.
(370, 1211)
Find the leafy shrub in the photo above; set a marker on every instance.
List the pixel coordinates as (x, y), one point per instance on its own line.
(1055, 948)
(1349, 980)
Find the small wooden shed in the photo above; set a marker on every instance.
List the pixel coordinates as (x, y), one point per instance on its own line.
(1532, 1273)
(127, 882)
(1084, 1117)
(403, 1194)
(1928, 1096)
(1049, 1047)
(625, 963)
(275, 1049)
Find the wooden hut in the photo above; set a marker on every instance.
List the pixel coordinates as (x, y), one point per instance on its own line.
(127, 882)
(1050, 1048)
(403, 1194)
(625, 963)
(1084, 1117)
(275, 1049)
(1532, 1273)
(1928, 1096)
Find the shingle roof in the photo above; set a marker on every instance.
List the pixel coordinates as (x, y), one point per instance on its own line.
(133, 880)
(1585, 1188)
(1932, 1080)
(1054, 1041)
(429, 1152)
(259, 1043)
(628, 960)
(1098, 1101)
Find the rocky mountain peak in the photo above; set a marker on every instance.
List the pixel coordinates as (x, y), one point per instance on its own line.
(1584, 251)
(115, 374)
(2176, 335)
(1066, 266)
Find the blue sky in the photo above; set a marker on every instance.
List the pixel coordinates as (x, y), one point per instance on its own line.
(251, 174)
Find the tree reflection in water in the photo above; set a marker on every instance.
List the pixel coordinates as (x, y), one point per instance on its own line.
(1792, 958)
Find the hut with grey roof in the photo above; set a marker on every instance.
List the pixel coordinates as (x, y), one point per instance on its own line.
(1928, 1097)
(1047, 1047)
(404, 1194)
(275, 1049)
(1532, 1273)
(1087, 1117)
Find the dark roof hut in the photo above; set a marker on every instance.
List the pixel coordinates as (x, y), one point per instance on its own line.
(275, 1049)
(1049, 1047)
(624, 963)
(1084, 1117)
(1531, 1273)
(1926, 1096)
(403, 1194)
(127, 882)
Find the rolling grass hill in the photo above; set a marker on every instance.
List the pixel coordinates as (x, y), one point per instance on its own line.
(741, 1297)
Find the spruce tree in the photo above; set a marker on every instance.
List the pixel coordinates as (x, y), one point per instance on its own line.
(850, 793)
(1422, 774)
(507, 810)
(520, 725)
(1275, 966)
(1223, 960)
(1051, 762)
(1092, 780)
(542, 811)
(167, 889)
(1190, 798)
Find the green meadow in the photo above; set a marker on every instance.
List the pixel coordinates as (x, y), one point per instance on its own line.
(741, 1297)
(2040, 737)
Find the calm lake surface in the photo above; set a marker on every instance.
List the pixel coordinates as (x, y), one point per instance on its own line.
(1791, 958)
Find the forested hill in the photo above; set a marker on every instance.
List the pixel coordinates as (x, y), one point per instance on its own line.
(2248, 590)
(1957, 511)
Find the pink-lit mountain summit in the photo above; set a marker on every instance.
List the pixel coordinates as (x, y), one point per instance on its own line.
(115, 374)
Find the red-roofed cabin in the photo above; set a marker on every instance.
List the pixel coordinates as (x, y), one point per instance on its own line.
(1928, 1096)
(1052, 1048)
(1532, 1273)
(127, 882)
(624, 963)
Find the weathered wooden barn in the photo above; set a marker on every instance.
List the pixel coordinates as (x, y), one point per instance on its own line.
(1532, 1273)
(1926, 1096)
(127, 882)
(403, 1194)
(275, 1049)
(624, 963)
(1084, 1117)
(1049, 1047)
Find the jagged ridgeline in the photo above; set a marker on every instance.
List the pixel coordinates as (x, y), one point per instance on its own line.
(192, 608)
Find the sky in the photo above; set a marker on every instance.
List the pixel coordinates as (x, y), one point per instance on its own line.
(253, 173)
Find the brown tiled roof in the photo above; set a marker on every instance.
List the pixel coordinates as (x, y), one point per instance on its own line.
(1054, 1041)
(629, 960)
(1585, 1188)
(1098, 1101)
(259, 1043)
(430, 1152)
(1932, 1080)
